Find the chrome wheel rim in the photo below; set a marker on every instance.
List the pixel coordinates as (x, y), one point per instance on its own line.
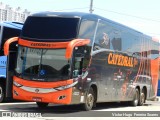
(142, 98)
(136, 98)
(90, 100)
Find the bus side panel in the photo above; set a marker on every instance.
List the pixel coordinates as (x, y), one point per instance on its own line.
(154, 75)
(3, 60)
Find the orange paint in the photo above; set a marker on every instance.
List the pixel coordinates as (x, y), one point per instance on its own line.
(46, 45)
(68, 45)
(7, 44)
(51, 97)
(75, 43)
(121, 60)
(45, 97)
(154, 74)
(36, 84)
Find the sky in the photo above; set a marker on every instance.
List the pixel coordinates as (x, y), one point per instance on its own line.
(141, 15)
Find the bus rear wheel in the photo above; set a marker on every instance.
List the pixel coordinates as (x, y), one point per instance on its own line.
(42, 105)
(2, 94)
(89, 100)
(142, 99)
(135, 101)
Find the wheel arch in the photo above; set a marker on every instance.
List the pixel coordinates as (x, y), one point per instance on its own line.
(95, 89)
(144, 89)
(138, 87)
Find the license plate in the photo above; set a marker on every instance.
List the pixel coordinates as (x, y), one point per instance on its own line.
(37, 99)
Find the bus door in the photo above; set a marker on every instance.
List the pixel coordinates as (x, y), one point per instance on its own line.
(80, 65)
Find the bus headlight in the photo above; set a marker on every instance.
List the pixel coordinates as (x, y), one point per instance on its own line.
(17, 84)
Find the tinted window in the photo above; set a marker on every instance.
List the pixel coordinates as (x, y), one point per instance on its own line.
(107, 37)
(131, 42)
(154, 50)
(50, 28)
(116, 40)
(87, 30)
(8, 33)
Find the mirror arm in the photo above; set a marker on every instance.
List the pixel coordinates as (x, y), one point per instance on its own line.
(7, 44)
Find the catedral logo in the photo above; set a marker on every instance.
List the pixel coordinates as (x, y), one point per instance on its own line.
(121, 60)
(41, 44)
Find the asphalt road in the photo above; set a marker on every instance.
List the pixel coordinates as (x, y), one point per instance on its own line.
(151, 109)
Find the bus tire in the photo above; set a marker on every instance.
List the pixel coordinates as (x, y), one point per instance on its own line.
(2, 93)
(41, 104)
(135, 101)
(142, 98)
(89, 100)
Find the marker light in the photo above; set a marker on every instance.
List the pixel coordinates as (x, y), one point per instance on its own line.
(17, 84)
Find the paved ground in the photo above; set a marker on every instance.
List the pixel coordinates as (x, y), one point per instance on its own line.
(102, 111)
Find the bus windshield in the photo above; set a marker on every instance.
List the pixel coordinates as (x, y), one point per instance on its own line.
(42, 64)
(50, 28)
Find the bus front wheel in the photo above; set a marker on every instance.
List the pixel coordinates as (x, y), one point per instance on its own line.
(42, 105)
(89, 100)
(2, 94)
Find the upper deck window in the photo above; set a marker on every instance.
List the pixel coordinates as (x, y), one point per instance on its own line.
(50, 28)
(87, 29)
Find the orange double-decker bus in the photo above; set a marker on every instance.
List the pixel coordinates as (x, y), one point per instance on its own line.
(80, 58)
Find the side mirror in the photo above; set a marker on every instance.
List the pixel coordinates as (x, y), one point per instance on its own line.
(74, 43)
(7, 44)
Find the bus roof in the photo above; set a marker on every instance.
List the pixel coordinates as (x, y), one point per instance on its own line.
(15, 25)
(80, 15)
(62, 14)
